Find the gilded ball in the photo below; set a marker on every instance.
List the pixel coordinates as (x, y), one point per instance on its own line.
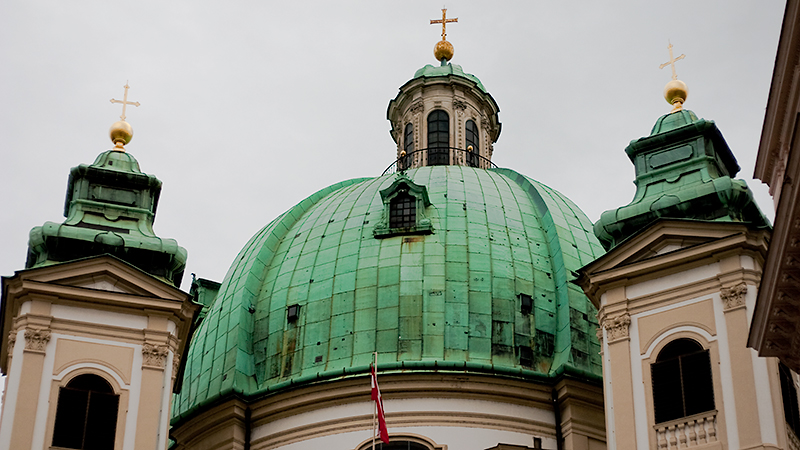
(443, 49)
(121, 132)
(676, 91)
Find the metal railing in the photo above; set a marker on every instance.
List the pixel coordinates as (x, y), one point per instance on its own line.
(440, 156)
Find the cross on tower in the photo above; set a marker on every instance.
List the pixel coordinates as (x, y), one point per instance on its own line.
(444, 23)
(671, 62)
(124, 101)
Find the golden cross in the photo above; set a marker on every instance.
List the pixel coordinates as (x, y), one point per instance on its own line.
(671, 62)
(124, 101)
(444, 23)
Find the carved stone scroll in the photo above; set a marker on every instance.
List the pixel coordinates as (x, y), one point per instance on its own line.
(36, 340)
(154, 356)
(733, 297)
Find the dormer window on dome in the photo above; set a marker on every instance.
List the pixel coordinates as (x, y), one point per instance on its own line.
(404, 204)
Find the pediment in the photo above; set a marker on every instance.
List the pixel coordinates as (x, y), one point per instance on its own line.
(104, 273)
(666, 239)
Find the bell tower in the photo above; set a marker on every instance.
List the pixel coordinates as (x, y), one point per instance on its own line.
(94, 327)
(675, 293)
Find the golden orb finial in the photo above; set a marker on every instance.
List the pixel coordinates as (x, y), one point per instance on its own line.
(675, 93)
(443, 50)
(121, 133)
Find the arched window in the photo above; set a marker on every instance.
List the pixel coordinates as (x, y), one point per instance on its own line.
(403, 211)
(400, 445)
(682, 383)
(408, 146)
(86, 415)
(438, 138)
(473, 147)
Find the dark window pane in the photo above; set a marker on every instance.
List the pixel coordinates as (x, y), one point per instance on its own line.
(70, 418)
(789, 394)
(677, 348)
(472, 139)
(403, 211)
(101, 422)
(667, 395)
(698, 389)
(438, 130)
(408, 146)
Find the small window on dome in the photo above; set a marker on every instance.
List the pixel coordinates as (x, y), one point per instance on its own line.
(404, 209)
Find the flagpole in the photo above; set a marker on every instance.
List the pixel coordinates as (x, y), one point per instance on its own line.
(374, 411)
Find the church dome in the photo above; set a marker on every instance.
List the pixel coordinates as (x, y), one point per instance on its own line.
(480, 283)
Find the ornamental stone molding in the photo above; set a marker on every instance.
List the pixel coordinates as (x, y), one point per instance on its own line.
(733, 297)
(155, 356)
(617, 327)
(459, 104)
(36, 340)
(176, 363)
(12, 339)
(416, 108)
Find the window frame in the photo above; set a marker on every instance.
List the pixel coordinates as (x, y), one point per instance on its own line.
(472, 137)
(416, 439)
(408, 146)
(694, 382)
(110, 389)
(438, 140)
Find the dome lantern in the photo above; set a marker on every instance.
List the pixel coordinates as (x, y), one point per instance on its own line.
(443, 115)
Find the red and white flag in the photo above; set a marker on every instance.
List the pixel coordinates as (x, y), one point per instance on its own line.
(376, 396)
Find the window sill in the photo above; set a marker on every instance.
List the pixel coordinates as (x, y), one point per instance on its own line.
(389, 232)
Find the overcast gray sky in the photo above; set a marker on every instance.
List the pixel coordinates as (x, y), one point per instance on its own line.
(247, 107)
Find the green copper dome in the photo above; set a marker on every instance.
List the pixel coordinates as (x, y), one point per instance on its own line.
(451, 295)
(430, 71)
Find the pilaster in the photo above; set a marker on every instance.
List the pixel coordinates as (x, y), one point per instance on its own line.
(25, 409)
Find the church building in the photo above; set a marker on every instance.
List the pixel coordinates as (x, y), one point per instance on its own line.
(495, 314)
